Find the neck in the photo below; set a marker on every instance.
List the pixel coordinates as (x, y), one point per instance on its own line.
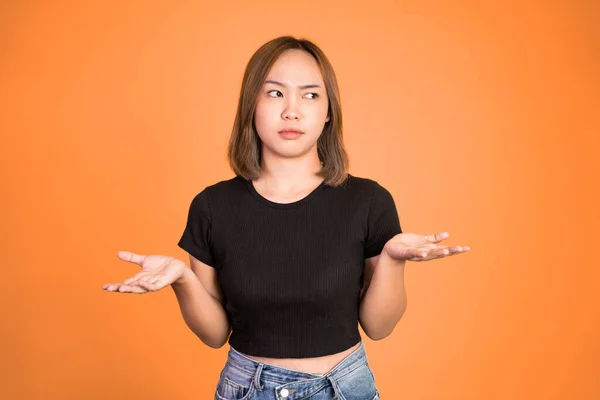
(290, 172)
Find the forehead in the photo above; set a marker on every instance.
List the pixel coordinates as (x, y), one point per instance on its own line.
(296, 67)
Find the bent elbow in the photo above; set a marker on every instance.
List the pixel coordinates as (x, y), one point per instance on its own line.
(216, 343)
(379, 335)
(378, 332)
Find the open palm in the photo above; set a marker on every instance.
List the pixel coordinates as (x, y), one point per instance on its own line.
(415, 247)
(157, 272)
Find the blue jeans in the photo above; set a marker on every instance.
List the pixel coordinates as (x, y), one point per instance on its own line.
(243, 378)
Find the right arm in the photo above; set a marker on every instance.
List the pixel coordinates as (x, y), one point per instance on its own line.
(201, 303)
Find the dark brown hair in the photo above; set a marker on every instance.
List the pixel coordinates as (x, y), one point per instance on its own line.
(244, 151)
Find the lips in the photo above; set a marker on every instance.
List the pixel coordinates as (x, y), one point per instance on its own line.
(290, 131)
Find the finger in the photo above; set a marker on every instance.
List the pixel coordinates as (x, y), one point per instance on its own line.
(131, 289)
(119, 287)
(133, 279)
(148, 279)
(111, 287)
(450, 251)
(431, 254)
(153, 279)
(130, 281)
(459, 249)
(418, 252)
(437, 237)
(131, 257)
(141, 276)
(435, 253)
(418, 258)
(151, 287)
(440, 252)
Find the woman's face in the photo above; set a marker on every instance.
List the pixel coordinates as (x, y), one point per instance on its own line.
(293, 97)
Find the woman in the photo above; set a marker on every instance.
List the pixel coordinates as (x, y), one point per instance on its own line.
(293, 252)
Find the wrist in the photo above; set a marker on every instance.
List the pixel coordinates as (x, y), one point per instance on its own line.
(184, 278)
(387, 258)
(385, 254)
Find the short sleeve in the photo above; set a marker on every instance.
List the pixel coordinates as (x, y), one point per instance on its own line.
(383, 222)
(196, 238)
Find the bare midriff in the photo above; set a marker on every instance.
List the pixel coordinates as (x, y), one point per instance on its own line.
(314, 365)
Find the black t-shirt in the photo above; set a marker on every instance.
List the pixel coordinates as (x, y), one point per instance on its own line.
(291, 274)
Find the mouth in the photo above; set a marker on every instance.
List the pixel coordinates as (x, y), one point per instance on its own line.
(290, 133)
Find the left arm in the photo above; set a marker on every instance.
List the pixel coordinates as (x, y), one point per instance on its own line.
(383, 297)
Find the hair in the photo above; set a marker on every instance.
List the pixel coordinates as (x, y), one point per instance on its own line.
(244, 150)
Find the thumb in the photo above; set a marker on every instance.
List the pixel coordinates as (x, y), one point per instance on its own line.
(131, 257)
(437, 237)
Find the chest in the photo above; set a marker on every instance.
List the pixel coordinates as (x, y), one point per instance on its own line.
(287, 257)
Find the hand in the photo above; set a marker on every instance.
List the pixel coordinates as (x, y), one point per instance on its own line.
(157, 272)
(414, 247)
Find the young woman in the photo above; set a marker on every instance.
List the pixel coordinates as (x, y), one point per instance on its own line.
(291, 254)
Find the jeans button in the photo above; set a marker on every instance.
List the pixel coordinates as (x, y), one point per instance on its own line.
(284, 393)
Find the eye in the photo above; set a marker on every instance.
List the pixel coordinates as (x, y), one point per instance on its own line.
(277, 95)
(315, 95)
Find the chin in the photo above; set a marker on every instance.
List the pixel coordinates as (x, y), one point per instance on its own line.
(288, 152)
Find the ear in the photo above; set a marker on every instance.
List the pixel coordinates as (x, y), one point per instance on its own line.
(327, 119)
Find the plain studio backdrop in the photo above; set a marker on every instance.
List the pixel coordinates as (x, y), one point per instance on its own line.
(481, 118)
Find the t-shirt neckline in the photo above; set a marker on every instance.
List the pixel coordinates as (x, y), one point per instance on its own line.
(273, 204)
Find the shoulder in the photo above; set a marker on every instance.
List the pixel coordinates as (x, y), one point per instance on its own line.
(223, 187)
(364, 186)
(218, 193)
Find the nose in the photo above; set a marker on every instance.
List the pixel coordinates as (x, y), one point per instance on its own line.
(291, 112)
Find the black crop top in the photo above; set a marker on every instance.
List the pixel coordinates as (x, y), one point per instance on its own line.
(291, 274)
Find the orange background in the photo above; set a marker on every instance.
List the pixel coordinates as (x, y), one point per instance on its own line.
(481, 120)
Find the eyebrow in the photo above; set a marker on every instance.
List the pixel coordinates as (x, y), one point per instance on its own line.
(310, 86)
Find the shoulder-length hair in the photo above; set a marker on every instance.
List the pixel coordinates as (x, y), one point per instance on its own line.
(244, 150)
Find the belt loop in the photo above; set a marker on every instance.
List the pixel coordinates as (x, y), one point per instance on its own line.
(257, 377)
(334, 384)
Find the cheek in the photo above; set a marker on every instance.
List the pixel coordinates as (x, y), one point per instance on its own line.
(320, 114)
(264, 111)
(263, 119)
(323, 108)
